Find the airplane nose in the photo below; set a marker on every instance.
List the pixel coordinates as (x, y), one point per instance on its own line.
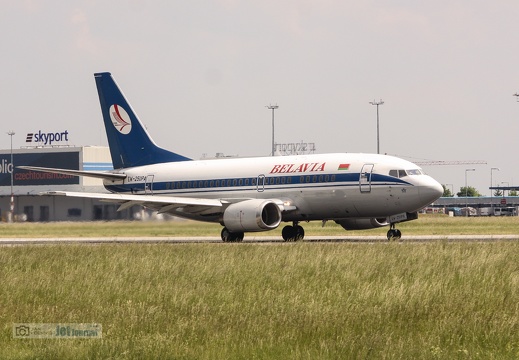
(438, 190)
(431, 192)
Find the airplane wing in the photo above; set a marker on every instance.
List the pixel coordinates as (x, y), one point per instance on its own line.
(179, 206)
(163, 204)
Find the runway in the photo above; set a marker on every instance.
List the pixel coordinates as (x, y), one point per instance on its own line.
(250, 239)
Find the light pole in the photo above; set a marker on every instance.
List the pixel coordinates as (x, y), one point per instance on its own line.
(491, 184)
(273, 107)
(378, 127)
(467, 192)
(11, 170)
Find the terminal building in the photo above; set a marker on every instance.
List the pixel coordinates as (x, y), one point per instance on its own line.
(26, 186)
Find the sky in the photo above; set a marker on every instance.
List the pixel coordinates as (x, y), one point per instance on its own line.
(200, 75)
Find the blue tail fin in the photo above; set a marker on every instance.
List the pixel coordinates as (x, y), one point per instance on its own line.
(130, 143)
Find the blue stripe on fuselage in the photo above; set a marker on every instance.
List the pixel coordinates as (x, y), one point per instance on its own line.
(251, 184)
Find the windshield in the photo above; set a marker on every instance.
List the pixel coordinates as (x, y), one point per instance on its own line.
(414, 172)
(403, 173)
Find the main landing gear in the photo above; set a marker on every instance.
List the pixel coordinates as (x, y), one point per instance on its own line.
(228, 236)
(393, 234)
(293, 233)
(289, 233)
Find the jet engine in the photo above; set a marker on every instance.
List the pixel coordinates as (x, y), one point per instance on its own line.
(362, 224)
(252, 215)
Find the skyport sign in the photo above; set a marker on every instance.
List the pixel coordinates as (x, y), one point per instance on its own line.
(42, 138)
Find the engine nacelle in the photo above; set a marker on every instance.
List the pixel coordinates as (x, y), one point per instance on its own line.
(362, 224)
(252, 215)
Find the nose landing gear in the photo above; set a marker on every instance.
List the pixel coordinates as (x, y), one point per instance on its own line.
(394, 234)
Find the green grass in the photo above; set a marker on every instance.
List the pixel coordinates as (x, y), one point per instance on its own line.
(425, 225)
(279, 301)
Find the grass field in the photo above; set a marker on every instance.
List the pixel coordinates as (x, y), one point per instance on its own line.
(436, 300)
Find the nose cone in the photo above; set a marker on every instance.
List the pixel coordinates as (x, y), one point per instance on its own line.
(431, 191)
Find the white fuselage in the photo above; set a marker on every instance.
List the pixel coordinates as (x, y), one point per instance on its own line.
(310, 187)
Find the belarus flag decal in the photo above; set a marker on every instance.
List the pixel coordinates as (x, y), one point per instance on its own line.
(344, 167)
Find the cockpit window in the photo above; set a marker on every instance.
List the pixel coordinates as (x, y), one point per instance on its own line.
(414, 172)
(403, 173)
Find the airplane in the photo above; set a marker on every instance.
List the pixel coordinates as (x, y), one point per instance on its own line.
(357, 191)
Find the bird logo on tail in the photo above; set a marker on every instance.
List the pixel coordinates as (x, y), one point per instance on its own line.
(120, 119)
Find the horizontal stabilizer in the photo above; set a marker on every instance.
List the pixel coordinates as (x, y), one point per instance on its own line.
(94, 174)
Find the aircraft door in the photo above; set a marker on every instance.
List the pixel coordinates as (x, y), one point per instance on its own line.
(148, 185)
(365, 178)
(260, 184)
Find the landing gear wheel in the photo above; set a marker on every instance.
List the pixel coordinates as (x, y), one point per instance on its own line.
(300, 232)
(228, 236)
(394, 234)
(288, 233)
(293, 233)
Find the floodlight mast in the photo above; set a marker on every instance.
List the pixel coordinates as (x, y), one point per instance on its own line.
(377, 103)
(273, 107)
